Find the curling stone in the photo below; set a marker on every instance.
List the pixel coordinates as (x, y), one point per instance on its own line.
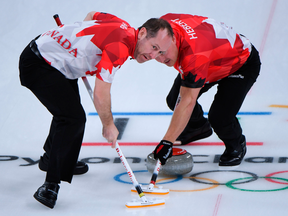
(180, 163)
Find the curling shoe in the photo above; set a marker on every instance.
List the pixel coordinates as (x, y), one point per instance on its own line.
(190, 135)
(47, 194)
(234, 158)
(80, 167)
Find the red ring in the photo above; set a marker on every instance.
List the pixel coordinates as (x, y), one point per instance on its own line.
(275, 173)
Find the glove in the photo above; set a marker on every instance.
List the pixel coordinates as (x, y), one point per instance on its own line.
(163, 151)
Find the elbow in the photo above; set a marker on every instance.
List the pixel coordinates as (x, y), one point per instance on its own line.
(90, 16)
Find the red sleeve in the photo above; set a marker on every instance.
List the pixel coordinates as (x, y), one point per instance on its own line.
(195, 70)
(113, 56)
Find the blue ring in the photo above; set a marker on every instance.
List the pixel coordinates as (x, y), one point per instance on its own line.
(117, 178)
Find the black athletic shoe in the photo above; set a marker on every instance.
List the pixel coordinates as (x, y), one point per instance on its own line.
(47, 194)
(191, 135)
(80, 168)
(233, 158)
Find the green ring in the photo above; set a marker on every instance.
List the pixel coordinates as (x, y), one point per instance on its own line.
(229, 184)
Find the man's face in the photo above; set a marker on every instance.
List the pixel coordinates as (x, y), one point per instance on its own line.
(170, 56)
(151, 48)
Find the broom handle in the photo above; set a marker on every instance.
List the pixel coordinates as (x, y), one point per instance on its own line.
(130, 173)
(154, 175)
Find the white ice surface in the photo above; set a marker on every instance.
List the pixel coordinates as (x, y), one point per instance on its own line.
(24, 122)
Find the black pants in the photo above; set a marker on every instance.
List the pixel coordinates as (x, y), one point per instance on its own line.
(231, 92)
(61, 97)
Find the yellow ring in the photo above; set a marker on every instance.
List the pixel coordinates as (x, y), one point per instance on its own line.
(211, 180)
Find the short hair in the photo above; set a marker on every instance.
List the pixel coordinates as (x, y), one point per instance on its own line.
(153, 25)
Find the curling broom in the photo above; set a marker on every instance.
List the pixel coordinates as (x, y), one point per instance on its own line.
(144, 202)
(151, 189)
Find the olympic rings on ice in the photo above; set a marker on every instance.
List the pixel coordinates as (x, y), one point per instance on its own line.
(253, 178)
(230, 184)
(195, 190)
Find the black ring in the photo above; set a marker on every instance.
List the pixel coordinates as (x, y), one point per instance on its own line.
(254, 177)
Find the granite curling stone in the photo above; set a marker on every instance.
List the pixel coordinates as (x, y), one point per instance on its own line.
(180, 163)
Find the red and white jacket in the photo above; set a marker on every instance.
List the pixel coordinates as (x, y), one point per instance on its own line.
(208, 50)
(93, 47)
